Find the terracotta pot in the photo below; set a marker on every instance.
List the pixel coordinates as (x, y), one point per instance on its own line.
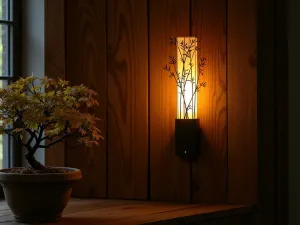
(36, 198)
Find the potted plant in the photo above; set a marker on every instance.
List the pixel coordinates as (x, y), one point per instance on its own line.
(42, 113)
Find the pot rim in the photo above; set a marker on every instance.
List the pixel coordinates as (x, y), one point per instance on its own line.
(72, 175)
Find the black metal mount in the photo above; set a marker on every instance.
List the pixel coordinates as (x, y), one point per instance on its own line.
(187, 138)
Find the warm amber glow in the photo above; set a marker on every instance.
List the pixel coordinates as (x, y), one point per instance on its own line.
(187, 73)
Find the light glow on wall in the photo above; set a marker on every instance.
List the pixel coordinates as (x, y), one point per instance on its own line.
(187, 75)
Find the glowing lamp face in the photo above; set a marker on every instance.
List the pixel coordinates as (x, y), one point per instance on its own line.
(187, 76)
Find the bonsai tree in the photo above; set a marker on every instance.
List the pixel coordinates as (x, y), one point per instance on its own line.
(39, 113)
(187, 49)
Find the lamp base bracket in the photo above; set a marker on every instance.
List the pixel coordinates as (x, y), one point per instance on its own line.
(187, 138)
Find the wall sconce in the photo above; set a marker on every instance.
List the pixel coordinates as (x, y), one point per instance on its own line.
(186, 71)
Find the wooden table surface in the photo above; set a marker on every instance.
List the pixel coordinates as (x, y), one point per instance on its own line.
(126, 212)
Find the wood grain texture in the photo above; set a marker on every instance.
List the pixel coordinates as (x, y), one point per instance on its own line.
(169, 176)
(209, 175)
(86, 64)
(55, 62)
(127, 99)
(182, 215)
(92, 204)
(122, 212)
(242, 102)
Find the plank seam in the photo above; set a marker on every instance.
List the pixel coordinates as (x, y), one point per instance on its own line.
(227, 130)
(65, 56)
(149, 144)
(106, 107)
(190, 162)
(275, 59)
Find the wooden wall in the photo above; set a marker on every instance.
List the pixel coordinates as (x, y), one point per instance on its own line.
(119, 47)
(55, 65)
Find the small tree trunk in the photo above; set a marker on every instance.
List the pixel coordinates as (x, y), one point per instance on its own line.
(33, 162)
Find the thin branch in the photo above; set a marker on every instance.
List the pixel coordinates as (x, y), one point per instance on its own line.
(42, 128)
(34, 92)
(47, 138)
(57, 141)
(191, 58)
(49, 145)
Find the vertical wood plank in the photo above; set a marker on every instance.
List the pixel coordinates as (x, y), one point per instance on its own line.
(127, 99)
(86, 64)
(242, 102)
(55, 62)
(209, 175)
(169, 176)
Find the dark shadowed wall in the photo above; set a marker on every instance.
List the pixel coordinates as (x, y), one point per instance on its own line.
(294, 110)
